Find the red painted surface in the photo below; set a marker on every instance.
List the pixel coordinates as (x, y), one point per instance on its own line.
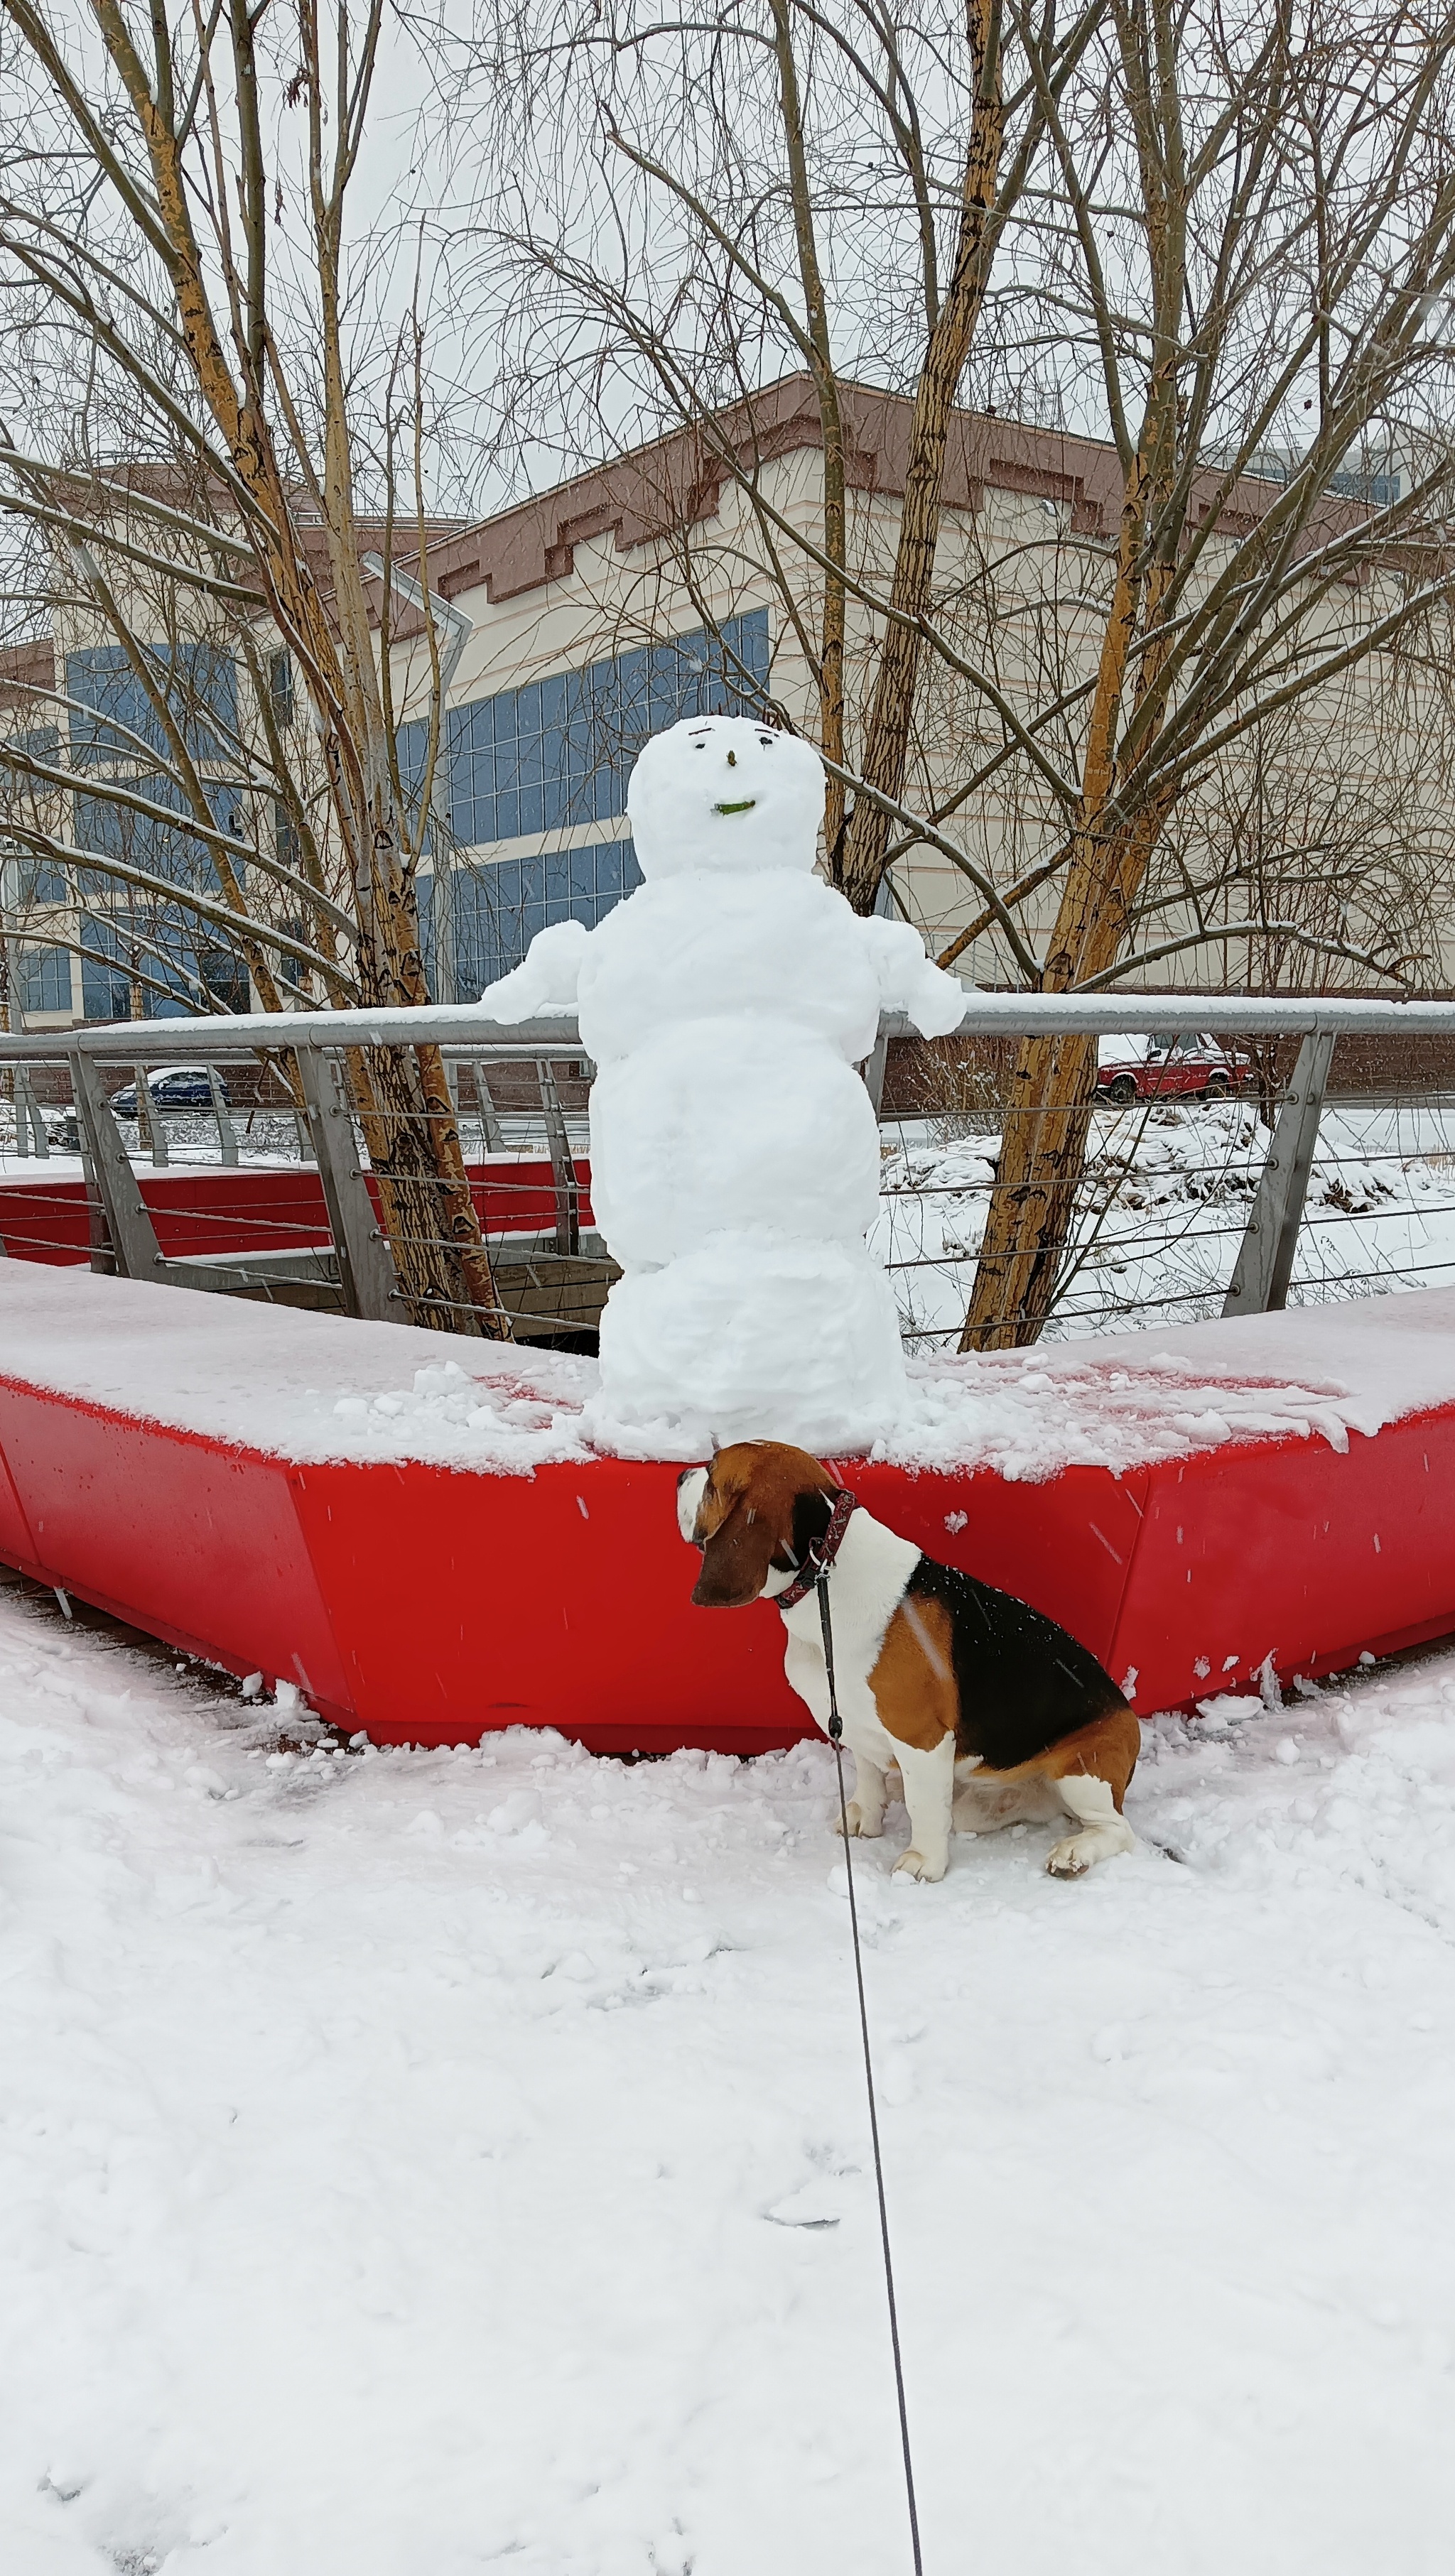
(195, 1541)
(210, 1211)
(1292, 1549)
(429, 1605)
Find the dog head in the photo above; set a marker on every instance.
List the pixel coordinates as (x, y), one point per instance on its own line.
(754, 1513)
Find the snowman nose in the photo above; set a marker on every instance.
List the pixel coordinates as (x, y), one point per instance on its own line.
(732, 760)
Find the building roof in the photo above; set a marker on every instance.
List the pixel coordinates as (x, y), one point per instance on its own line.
(676, 482)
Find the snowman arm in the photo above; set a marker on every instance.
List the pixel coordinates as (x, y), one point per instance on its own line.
(546, 978)
(909, 981)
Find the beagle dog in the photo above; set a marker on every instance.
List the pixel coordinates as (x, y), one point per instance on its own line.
(991, 1713)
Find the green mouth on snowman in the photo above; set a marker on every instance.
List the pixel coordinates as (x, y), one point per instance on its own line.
(745, 807)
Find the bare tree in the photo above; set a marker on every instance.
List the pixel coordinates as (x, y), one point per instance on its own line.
(1219, 244)
(1141, 728)
(790, 184)
(176, 251)
(1258, 243)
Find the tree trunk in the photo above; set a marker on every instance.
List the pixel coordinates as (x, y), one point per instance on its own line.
(400, 1094)
(442, 1266)
(411, 1131)
(886, 737)
(831, 422)
(1043, 1145)
(1052, 1094)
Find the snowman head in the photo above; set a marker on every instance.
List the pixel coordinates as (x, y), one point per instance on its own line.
(725, 795)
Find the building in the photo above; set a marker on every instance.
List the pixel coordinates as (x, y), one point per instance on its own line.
(677, 580)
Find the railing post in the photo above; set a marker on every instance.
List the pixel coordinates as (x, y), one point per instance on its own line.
(103, 1259)
(29, 1124)
(873, 1072)
(226, 1132)
(1264, 1265)
(366, 1265)
(134, 1247)
(490, 1127)
(563, 1162)
(154, 1133)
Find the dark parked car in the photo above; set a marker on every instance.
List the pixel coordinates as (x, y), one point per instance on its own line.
(1179, 1064)
(171, 1086)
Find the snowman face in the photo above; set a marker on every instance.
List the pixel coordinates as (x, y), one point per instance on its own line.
(723, 794)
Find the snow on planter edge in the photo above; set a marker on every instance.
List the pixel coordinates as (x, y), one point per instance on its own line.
(315, 1387)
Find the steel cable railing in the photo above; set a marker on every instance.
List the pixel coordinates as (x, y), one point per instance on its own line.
(1269, 1179)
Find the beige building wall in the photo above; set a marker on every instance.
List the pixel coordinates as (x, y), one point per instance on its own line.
(627, 558)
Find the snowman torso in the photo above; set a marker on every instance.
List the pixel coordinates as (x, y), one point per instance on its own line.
(728, 1124)
(783, 948)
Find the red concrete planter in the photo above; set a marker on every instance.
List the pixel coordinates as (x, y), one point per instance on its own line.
(203, 1212)
(428, 1603)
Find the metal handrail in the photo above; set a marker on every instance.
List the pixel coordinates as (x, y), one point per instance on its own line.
(321, 1039)
(986, 1015)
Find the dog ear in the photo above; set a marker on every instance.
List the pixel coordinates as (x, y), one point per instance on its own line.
(735, 1560)
(746, 1523)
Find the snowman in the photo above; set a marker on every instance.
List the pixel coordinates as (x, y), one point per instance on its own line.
(734, 1148)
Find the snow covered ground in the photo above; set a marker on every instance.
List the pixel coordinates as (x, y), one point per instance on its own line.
(1166, 1197)
(309, 1386)
(418, 2163)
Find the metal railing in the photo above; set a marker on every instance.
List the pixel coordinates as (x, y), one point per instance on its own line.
(1277, 1180)
(261, 1185)
(1288, 1188)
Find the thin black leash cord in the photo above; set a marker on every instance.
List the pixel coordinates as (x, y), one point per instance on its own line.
(836, 1739)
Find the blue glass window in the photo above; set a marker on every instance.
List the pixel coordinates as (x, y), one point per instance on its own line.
(559, 752)
(105, 992)
(552, 756)
(45, 979)
(116, 832)
(198, 683)
(36, 880)
(162, 945)
(41, 881)
(500, 906)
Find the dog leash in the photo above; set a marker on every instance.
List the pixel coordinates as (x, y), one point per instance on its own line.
(818, 1582)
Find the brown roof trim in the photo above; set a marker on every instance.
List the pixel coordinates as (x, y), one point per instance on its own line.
(676, 482)
(104, 494)
(24, 667)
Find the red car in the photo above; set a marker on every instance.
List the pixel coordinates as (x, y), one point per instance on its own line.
(1185, 1062)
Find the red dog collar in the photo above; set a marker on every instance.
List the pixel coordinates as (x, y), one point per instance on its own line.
(819, 1559)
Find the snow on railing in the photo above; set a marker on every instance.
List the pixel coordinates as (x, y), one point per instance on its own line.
(986, 1014)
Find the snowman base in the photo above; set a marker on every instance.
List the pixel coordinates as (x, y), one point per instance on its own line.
(754, 1336)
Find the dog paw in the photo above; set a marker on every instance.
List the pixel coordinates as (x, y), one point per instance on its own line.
(1068, 1860)
(862, 1821)
(914, 1865)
